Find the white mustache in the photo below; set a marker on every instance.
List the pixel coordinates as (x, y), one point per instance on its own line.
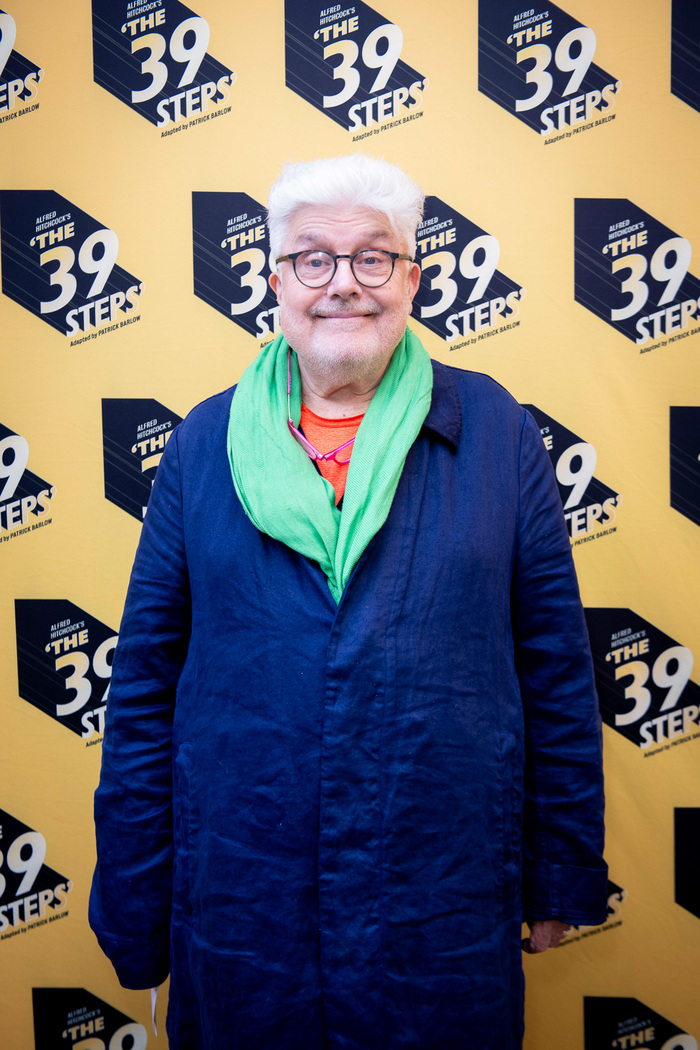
(351, 310)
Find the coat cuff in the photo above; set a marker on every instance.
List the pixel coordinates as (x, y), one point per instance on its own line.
(138, 964)
(562, 891)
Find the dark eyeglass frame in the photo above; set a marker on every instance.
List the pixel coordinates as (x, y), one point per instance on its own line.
(293, 256)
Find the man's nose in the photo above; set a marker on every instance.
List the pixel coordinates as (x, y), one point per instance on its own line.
(343, 282)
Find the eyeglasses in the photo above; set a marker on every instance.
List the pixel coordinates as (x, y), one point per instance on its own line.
(308, 448)
(372, 267)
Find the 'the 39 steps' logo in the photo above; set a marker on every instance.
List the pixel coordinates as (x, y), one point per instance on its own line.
(643, 681)
(632, 272)
(76, 1019)
(153, 57)
(346, 61)
(590, 507)
(31, 893)
(232, 263)
(538, 64)
(61, 265)
(64, 663)
(135, 432)
(626, 1024)
(19, 78)
(25, 499)
(461, 293)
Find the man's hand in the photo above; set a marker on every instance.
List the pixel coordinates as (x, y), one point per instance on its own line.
(544, 934)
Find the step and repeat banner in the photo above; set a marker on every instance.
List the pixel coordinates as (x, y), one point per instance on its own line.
(560, 253)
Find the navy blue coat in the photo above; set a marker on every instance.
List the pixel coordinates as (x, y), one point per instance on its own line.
(327, 821)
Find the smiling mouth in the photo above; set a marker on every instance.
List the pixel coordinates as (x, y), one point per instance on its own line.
(344, 312)
(355, 315)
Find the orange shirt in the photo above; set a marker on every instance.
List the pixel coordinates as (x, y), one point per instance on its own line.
(325, 435)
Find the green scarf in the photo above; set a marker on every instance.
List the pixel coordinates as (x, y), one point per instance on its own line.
(280, 489)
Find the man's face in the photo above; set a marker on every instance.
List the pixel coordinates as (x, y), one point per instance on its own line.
(344, 329)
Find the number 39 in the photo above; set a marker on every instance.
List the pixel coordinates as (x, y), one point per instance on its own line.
(29, 866)
(480, 272)
(80, 662)
(541, 55)
(638, 670)
(63, 276)
(349, 52)
(157, 70)
(673, 275)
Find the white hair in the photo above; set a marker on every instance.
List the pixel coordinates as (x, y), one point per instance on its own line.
(355, 181)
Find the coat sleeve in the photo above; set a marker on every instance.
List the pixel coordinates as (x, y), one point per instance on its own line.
(130, 900)
(564, 874)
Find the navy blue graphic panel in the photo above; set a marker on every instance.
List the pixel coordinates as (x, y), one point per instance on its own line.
(21, 492)
(587, 501)
(609, 1021)
(157, 62)
(19, 77)
(686, 826)
(231, 260)
(74, 1017)
(538, 65)
(60, 263)
(64, 662)
(632, 271)
(28, 886)
(347, 64)
(685, 51)
(643, 680)
(135, 432)
(685, 460)
(461, 290)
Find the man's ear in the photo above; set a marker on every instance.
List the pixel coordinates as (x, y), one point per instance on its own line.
(276, 285)
(413, 283)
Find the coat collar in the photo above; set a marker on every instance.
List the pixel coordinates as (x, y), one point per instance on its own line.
(445, 413)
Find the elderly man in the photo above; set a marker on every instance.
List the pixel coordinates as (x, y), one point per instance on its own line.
(352, 736)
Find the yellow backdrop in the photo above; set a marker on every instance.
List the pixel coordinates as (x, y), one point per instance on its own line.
(137, 144)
